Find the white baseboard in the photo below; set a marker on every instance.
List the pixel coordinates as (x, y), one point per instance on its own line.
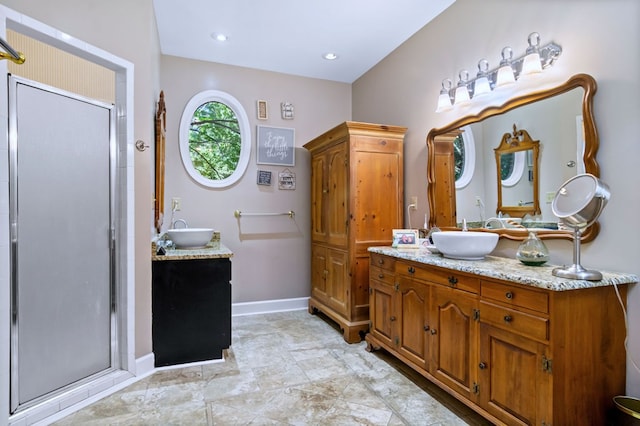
(268, 306)
(145, 365)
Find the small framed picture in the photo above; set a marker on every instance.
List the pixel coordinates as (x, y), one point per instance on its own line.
(264, 177)
(405, 238)
(261, 109)
(286, 179)
(286, 108)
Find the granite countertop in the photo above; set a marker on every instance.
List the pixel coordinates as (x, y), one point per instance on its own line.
(213, 250)
(507, 269)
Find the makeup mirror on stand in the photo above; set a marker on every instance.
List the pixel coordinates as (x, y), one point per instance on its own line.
(578, 203)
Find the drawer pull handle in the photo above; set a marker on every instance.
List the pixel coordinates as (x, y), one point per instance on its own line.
(426, 328)
(482, 366)
(381, 276)
(411, 269)
(392, 318)
(453, 280)
(381, 261)
(508, 318)
(434, 331)
(509, 295)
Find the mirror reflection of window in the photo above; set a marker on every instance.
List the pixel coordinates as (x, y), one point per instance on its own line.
(512, 167)
(464, 155)
(506, 165)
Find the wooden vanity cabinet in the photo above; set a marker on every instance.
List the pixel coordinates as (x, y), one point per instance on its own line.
(516, 354)
(356, 201)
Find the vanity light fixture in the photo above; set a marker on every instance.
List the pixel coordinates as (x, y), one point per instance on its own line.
(444, 100)
(531, 63)
(535, 59)
(462, 91)
(505, 75)
(482, 86)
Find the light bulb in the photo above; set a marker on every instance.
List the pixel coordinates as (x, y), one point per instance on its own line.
(531, 63)
(444, 100)
(462, 92)
(505, 72)
(482, 86)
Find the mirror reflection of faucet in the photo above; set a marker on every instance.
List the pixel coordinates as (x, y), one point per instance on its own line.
(503, 222)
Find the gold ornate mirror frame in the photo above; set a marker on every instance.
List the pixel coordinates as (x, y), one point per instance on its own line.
(441, 183)
(160, 130)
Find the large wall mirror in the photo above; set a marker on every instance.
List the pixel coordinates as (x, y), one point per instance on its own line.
(561, 122)
(160, 131)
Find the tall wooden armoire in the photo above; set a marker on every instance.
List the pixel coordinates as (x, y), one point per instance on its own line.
(356, 202)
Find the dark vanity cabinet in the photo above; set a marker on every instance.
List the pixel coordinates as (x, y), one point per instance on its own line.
(191, 302)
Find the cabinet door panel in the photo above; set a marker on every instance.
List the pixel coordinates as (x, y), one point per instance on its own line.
(381, 311)
(454, 338)
(319, 273)
(412, 307)
(513, 384)
(377, 177)
(319, 186)
(338, 282)
(337, 195)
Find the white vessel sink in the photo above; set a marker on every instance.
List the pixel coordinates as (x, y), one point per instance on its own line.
(190, 237)
(466, 245)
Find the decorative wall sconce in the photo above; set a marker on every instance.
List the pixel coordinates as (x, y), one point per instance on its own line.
(535, 59)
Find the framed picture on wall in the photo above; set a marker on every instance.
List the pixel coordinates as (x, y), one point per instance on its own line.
(275, 146)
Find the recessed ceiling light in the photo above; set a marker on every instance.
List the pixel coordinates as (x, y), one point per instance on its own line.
(330, 56)
(219, 36)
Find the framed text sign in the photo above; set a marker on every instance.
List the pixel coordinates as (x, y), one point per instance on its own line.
(275, 145)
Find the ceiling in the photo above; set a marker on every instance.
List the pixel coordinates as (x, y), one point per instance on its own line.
(291, 36)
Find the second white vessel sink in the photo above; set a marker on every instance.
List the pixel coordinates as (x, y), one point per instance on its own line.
(466, 245)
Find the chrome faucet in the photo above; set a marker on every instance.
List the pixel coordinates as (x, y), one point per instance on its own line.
(184, 222)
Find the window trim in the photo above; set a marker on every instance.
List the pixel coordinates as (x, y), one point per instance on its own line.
(245, 137)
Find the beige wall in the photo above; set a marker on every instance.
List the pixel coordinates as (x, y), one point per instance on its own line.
(271, 254)
(126, 29)
(601, 38)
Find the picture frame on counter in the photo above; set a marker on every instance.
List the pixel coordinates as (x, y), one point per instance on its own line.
(405, 238)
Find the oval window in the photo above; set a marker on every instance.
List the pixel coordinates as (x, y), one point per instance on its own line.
(215, 139)
(464, 154)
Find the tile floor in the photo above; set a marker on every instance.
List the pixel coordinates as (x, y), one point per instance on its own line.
(288, 368)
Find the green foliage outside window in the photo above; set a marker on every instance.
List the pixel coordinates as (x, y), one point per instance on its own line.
(506, 165)
(214, 140)
(458, 156)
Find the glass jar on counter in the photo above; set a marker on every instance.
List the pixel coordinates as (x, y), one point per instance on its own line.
(532, 251)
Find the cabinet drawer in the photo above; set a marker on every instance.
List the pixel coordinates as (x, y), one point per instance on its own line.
(382, 275)
(447, 277)
(516, 296)
(382, 261)
(520, 322)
